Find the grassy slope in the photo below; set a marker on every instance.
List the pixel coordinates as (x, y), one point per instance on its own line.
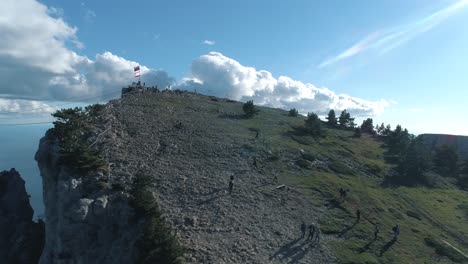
(440, 211)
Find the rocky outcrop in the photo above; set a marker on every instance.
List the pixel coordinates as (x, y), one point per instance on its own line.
(21, 239)
(87, 221)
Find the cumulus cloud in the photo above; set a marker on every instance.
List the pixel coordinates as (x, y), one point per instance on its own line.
(37, 63)
(219, 75)
(18, 106)
(209, 42)
(12, 110)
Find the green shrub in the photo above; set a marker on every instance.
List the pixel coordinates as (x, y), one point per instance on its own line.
(158, 244)
(72, 129)
(357, 132)
(313, 125)
(308, 156)
(293, 112)
(117, 186)
(303, 163)
(305, 140)
(249, 109)
(339, 167)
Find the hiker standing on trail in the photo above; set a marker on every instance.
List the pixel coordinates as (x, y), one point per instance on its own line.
(358, 215)
(317, 237)
(396, 232)
(376, 231)
(303, 229)
(311, 232)
(231, 184)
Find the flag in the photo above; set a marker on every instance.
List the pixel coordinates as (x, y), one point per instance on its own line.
(136, 71)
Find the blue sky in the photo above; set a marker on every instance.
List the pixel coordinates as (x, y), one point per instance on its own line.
(405, 59)
(399, 62)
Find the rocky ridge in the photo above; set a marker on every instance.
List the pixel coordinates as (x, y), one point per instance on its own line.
(190, 146)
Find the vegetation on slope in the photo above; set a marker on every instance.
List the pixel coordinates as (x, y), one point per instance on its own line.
(158, 244)
(374, 167)
(424, 213)
(72, 130)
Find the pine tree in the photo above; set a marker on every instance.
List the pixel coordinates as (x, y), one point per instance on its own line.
(249, 109)
(293, 112)
(367, 126)
(414, 162)
(345, 120)
(313, 124)
(446, 160)
(332, 120)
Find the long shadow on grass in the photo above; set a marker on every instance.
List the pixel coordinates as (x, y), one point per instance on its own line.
(286, 248)
(347, 229)
(334, 203)
(387, 246)
(367, 246)
(300, 252)
(232, 116)
(294, 250)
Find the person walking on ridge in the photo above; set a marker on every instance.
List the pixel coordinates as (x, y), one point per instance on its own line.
(303, 229)
(231, 185)
(376, 231)
(311, 232)
(396, 232)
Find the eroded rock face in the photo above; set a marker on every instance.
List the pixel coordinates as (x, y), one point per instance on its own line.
(87, 221)
(21, 239)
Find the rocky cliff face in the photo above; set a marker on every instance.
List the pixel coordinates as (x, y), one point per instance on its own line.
(87, 221)
(21, 239)
(190, 149)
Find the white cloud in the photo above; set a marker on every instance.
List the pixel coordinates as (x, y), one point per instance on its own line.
(209, 42)
(36, 62)
(385, 40)
(55, 11)
(219, 75)
(8, 106)
(28, 111)
(354, 50)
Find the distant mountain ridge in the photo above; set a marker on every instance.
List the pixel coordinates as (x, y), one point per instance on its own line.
(459, 142)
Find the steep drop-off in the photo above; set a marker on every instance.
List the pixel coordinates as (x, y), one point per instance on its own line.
(190, 147)
(21, 239)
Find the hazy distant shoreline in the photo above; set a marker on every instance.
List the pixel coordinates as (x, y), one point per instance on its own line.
(19, 144)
